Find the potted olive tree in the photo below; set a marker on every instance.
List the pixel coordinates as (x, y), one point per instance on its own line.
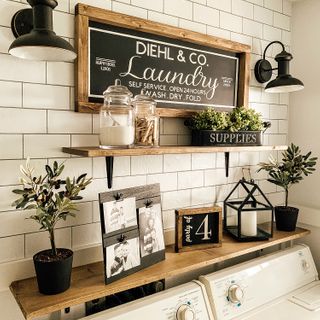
(241, 126)
(291, 170)
(52, 199)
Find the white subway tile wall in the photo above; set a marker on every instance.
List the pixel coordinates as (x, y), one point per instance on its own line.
(37, 119)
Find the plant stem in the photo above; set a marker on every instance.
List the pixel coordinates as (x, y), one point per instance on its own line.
(53, 245)
(287, 195)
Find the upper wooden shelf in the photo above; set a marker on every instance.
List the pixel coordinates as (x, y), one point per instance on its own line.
(97, 152)
(88, 281)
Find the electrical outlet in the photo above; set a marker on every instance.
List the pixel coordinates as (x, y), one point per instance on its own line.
(73, 313)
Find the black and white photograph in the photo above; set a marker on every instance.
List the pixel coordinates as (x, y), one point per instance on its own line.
(119, 214)
(151, 230)
(122, 256)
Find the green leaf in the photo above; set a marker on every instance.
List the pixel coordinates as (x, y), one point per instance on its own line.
(19, 191)
(49, 171)
(68, 184)
(31, 206)
(81, 177)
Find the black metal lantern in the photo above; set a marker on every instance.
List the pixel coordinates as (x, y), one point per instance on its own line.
(250, 219)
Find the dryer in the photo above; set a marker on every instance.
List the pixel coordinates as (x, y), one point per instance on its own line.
(279, 286)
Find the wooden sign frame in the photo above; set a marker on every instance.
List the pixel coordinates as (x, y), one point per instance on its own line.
(181, 213)
(85, 13)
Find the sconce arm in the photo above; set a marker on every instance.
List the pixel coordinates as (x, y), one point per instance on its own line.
(273, 42)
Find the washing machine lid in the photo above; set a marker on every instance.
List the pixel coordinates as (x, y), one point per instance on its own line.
(308, 297)
(282, 309)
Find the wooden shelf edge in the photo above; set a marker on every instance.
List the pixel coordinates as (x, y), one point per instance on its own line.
(97, 152)
(87, 281)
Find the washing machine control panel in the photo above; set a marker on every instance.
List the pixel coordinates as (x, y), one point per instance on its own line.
(244, 287)
(185, 302)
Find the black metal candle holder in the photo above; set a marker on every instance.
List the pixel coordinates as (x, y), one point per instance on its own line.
(264, 229)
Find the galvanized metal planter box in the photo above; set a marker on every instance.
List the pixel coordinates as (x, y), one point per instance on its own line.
(222, 138)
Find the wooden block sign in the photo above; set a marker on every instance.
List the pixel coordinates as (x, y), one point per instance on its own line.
(198, 228)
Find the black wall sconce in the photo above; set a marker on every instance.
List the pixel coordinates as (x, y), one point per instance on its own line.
(284, 82)
(36, 39)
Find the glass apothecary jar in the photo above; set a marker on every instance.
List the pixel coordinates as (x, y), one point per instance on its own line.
(147, 121)
(117, 118)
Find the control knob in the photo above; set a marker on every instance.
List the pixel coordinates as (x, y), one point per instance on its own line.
(184, 312)
(305, 265)
(235, 294)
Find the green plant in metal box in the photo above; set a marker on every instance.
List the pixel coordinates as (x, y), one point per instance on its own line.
(241, 126)
(240, 119)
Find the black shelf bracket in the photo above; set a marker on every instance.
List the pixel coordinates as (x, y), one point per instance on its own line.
(226, 162)
(109, 169)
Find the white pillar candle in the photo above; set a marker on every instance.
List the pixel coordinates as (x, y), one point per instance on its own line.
(249, 223)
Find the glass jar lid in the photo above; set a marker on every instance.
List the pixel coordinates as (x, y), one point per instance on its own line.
(144, 98)
(117, 92)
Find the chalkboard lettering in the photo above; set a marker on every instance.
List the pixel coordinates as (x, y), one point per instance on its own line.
(199, 229)
(171, 71)
(230, 138)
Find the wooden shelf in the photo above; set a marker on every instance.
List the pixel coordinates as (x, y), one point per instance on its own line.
(88, 283)
(97, 152)
(110, 153)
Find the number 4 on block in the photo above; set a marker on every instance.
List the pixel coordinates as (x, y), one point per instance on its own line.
(198, 228)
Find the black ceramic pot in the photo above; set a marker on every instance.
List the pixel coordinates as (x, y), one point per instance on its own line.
(53, 275)
(286, 218)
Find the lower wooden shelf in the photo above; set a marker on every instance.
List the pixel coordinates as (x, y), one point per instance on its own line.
(88, 283)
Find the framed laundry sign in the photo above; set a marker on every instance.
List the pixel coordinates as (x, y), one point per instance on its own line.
(182, 70)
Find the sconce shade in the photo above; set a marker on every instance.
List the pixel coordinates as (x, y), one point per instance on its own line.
(284, 82)
(41, 43)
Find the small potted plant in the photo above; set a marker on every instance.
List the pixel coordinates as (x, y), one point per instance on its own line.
(52, 199)
(291, 170)
(242, 126)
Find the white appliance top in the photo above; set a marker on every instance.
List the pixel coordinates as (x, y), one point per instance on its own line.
(9, 307)
(308, 297)
(236, 291)
(302, 304)
(185, 302)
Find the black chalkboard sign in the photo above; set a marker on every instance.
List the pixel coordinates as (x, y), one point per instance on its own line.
(198, 228)
(171, 71)
(184, 71)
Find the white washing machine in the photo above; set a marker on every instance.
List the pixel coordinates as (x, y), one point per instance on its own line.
(186, 302)
(279, 286)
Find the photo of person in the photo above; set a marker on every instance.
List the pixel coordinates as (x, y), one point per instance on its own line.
(151, 230)
(119, 214)
(122, 256)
